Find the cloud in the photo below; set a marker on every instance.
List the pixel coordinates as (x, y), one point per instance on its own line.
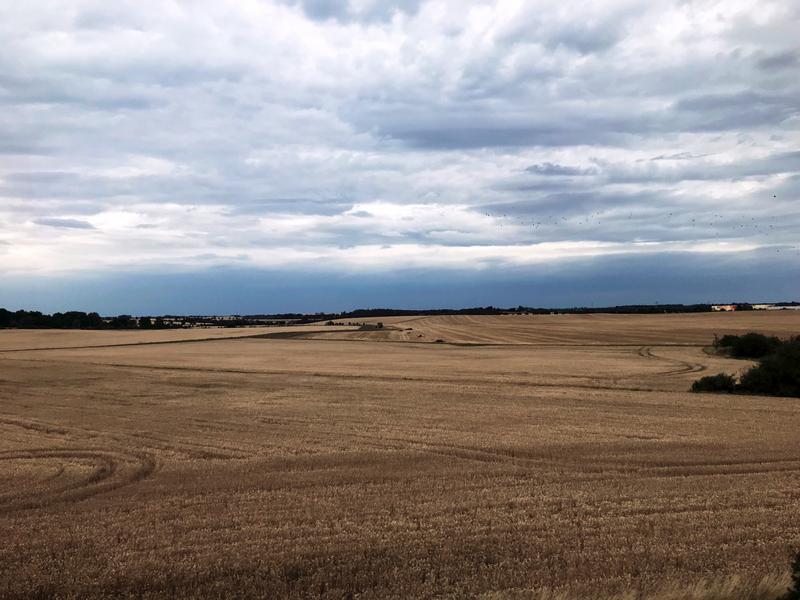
(747, 109)
(780, 60)
(63, 223)
(603, 281)
(678, 156)
(373, 134)
(375, 10)
(548, 168)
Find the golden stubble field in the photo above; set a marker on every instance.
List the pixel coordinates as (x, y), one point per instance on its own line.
(524, 457)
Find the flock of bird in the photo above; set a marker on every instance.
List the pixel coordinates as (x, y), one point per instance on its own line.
(722, 226)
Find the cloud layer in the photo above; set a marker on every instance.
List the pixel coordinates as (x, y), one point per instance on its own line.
(374, 136)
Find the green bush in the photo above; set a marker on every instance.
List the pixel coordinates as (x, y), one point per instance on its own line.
(749, 345)
(715, 383)
(726, 341)
(777, 374)
(794, 592)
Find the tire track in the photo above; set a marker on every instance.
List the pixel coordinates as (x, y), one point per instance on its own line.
(481, 454)
(372, 377)
(147, 343)
(108, 470)
(682, 368)
(546, 465)
(195, 450)
(33, 426)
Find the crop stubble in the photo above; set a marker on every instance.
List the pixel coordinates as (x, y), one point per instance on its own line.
(568, 457)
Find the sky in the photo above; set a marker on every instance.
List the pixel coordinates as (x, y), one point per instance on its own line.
(255, 156)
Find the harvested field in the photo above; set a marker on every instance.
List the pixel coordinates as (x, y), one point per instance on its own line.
(582, 330)
(524, 457)
(59, 339)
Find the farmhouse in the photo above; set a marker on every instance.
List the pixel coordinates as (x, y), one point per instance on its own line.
(723, 307)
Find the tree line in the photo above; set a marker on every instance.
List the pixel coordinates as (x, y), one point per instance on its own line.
(493, 310)
(92, 320)
(74, 319)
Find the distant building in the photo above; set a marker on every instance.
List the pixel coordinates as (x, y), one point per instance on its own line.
(723, 307)
(775, 307)
(734, 307)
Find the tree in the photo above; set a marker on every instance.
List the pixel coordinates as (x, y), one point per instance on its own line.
(122, 322)
(5, 317)
(777, 374)
(753, 345)
(94, 320)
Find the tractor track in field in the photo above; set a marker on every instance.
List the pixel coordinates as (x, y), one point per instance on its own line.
(573, 381)
(682, 367)
(130, 344)
(105, 470)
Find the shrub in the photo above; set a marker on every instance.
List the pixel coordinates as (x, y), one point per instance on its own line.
(715, 383)
(777, 374)
(793, 592)
(726, 341)
(749, 345)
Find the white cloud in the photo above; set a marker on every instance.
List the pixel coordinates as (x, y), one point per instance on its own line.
(450, 133)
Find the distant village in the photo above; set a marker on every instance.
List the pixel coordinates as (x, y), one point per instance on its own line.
(735, 307)
(185, 322)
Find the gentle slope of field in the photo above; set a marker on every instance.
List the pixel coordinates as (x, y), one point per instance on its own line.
(591, 329)
(563, 459)
(59, 339)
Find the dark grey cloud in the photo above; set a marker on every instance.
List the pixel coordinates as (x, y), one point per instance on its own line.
(469, 125)
(780, 60)
(63, 223)
(679, 156)
(586, 38)
(344, 11)
(548, 168)
(607, 217)
(320, 9)
(665, 278)
(471, 134)
(745, 109)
